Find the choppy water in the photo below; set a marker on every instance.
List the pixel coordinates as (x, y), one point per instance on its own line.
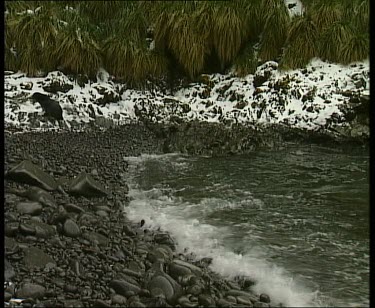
(296, 220)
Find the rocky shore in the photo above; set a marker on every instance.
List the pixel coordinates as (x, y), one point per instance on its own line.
(68, 242)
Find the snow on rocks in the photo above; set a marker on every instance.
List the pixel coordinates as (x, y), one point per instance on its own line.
(313, 98)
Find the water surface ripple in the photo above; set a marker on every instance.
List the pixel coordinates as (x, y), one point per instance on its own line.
(295, 219)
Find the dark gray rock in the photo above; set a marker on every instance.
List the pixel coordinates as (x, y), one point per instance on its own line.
(100, 303)
(171, 289)
(26, 229)
(243, 300)
(39, 195)
(42, 230)
(30, 290)
(253, 298)
(264, 298)
(11, 229)
(30, 208)
(165, 239)
(118, 299)
(176, 270)
(160, 253)
(122, 287)
(206, 300)
(129, 272)
(35, 257)
(195, 289)
(69, 207)
(85, 185)
(224, 303)
(128, 230)
(7, 296)
(8, 271)
(95, 237)
(57, 86)
(71, 228)
(28, 173)
(72, 303)
(180, 268)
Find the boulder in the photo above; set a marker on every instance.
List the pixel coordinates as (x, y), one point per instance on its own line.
(170, 288)
(40, 195)
(42, 230)
(94, 237)
(30, 208)
(71, 228)
(122, 287)
(84, 185)
(108, 95)
(8, 271)
(31, 290)
(35, 257)
(165, 239)
(28, 173)
(58, 86)
(179, 264)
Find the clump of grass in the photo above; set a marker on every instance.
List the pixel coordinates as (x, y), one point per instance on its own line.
(356, 48)
(332, 41)
(301, 43)
(36, 35)
(78, 52)
(246, 63)
(275, 30)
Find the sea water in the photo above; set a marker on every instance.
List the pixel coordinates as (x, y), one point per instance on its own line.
(295, 220)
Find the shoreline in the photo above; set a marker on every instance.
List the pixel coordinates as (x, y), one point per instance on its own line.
(77, 251)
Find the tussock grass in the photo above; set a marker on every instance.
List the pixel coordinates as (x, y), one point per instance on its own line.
(189, 37)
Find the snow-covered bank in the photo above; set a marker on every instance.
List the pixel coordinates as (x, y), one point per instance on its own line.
(322, 96)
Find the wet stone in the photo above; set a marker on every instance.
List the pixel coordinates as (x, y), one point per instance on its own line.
(27, 229)
(181, 268)
(132, 273)
(100, 303)
(95, 237)
(264, 298)
(28, 173)
(85, 185)
(248, 295)
(128, 231)
(71, 229)
(30, 290)
(42, 230)
(118, 299)
(165, 238)
(11, 229)
(8, 270)
(206, 300)
(37, 194)
(101, 213)
(10, 245)
(35, 257)
(72, 303)
(29, 208)
(86, 219)
(223, 303)
(69, 207)
(122, 287)
(171, 289)
(7, 296)
(244, 301)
